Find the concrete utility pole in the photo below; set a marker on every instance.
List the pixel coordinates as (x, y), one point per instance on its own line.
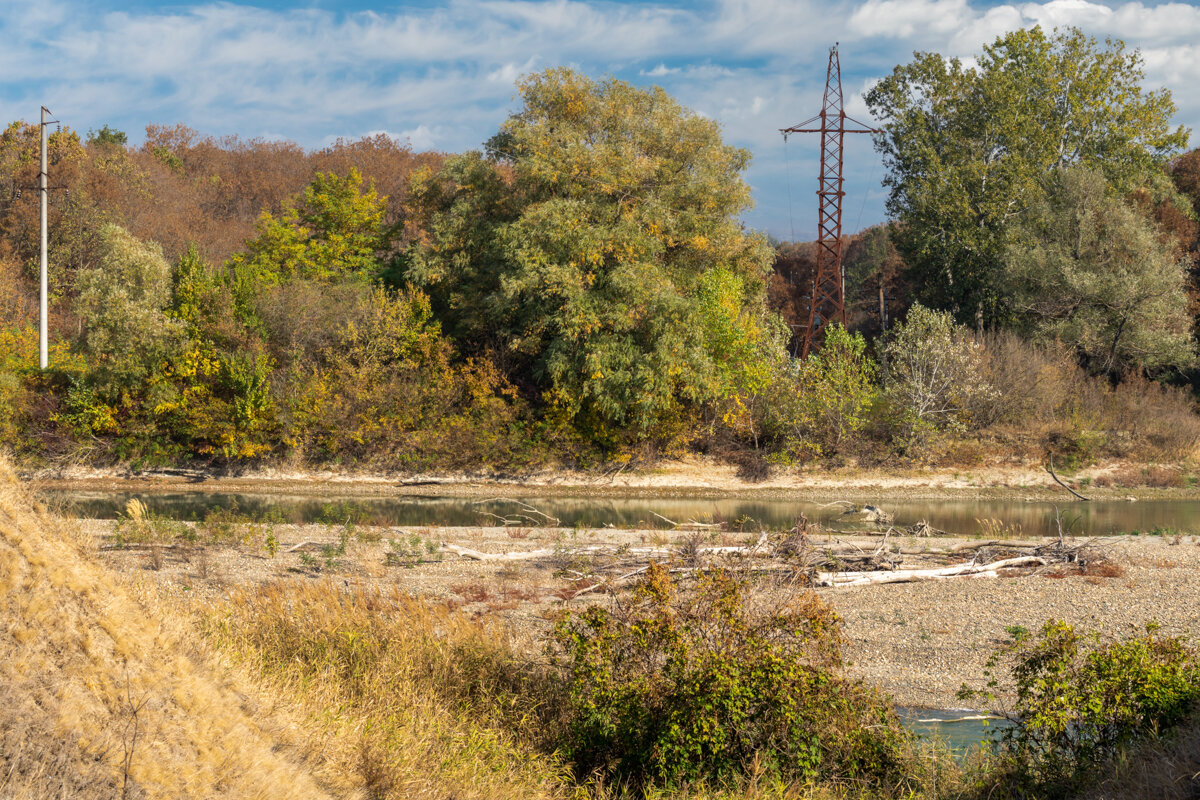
(44, 191)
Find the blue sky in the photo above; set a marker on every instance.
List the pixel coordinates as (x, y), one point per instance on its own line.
(441, 74)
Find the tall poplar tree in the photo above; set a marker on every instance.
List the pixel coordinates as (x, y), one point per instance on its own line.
(967, 145)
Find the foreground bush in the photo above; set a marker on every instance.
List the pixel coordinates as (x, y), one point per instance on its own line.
(1080, 704)
(704, 684)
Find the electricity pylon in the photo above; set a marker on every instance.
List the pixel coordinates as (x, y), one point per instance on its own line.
(829, 283)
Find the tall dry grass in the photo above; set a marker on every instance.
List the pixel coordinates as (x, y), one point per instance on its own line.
(101, 699)
(414, 701)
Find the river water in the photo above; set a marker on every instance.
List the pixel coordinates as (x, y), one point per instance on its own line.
(961, 517)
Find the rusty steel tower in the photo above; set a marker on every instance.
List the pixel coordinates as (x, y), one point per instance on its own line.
(829, 284)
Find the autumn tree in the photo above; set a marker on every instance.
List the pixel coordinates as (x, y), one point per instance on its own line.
(967, 145)
(578, 245)
(1086, 269)
(1186, 173)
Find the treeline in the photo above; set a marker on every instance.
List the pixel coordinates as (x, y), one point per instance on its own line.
(583, 290)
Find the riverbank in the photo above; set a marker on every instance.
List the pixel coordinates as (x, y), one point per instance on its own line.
(693, 477)
(920, 642)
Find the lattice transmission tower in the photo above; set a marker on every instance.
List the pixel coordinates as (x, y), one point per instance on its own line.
(829, 283)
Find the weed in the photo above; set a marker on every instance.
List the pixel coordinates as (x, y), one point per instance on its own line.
(1018, 633)
(998, 529)
(412, 551)
(155, 556)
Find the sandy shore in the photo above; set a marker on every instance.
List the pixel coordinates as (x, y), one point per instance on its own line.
(920, 641)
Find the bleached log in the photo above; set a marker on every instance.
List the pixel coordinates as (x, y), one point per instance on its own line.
(910, 575)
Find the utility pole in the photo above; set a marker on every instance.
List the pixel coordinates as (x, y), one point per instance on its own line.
(829, 283)
(44, 192)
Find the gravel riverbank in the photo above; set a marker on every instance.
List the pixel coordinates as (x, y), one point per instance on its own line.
(921, 641)
(918, 641)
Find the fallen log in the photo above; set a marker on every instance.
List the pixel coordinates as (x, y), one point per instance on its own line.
(839, 579)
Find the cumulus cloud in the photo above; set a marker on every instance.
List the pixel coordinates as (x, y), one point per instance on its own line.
(443, 76)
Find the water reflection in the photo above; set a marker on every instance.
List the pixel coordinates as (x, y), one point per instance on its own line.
(954, 516)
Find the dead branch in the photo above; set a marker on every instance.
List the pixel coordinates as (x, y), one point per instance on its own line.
(1050, 469)
(526, 507)
(689, 525)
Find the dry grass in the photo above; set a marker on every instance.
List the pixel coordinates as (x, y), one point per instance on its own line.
(101, 699)
(1046, 403)
(1152, 476)
(412, 699)
(1168, 769)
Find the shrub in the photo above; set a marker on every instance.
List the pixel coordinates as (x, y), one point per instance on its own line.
(679, 685)
(934, 372)
(1079, 702)
(121, 302)
(823, 408)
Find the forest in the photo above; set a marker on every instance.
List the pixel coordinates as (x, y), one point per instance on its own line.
(581, 291)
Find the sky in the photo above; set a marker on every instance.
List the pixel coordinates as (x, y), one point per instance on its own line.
(441, 75)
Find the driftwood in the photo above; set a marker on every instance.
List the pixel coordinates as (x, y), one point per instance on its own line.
(991, 570)
(644, 552)
(872, 514)
(521, 518)
(689, 525)
(1050, 469)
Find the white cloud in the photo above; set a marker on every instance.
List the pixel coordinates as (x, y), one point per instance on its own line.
(900, 19)
(443, 77)
(421, 138)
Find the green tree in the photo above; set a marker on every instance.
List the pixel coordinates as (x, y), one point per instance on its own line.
(823, 407)
(1086, 269)
(107, 136)
(748, 348)
(966, 148)
(934, 373)
(122, 302)
(578, 247)
(333, 231)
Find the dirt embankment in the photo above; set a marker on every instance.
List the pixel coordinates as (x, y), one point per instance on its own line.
(697, 477)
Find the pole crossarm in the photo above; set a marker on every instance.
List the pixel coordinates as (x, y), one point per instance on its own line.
(829, 285)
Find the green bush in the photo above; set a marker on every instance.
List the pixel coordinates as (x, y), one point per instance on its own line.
(679, 685)
(934, 374)
(1079, 703)
(823, 406)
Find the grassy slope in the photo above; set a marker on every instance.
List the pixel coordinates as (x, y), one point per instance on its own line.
(99, 699)
(107, 694)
